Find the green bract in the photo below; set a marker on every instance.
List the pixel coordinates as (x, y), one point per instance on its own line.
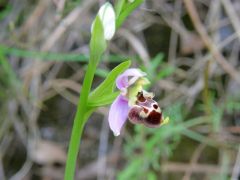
(98, 43)
(108, 85)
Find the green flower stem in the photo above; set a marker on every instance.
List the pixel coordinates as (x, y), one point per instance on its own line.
(97, 47)
(79, 122)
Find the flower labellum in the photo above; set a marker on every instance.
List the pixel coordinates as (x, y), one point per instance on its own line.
(146, 111)
(107, 15)
(134, 103)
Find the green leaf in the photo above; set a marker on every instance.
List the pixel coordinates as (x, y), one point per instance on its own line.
(101, 73)
(108, 85)
(151, 176)
(199, 137)
(5, 11)
(128, 8)
(103, 101)
(51, 56)
(166, 71)
(129, 172)
(152, 68)
(156, 61)
(98, 43)
(119, 6)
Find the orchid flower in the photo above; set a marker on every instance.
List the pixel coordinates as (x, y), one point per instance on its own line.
(134, 103)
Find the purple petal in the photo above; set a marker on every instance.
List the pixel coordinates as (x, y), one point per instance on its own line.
(123, 79)
(118, 114)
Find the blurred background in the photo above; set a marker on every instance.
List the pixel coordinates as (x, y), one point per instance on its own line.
(190, 50)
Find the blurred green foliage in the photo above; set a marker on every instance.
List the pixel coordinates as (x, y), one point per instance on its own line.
(50, 56)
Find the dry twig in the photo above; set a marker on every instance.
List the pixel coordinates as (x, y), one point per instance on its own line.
(192, 11)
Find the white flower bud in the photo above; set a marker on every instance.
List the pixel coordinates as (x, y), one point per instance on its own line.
(107, 15)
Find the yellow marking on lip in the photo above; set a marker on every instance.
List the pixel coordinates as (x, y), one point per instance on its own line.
(165, 121)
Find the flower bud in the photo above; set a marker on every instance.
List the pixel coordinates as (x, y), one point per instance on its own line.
(107, 15)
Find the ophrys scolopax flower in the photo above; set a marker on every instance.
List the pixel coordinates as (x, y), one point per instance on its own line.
(134, 103)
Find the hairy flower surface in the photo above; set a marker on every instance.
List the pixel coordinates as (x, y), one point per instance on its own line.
(134, 103)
